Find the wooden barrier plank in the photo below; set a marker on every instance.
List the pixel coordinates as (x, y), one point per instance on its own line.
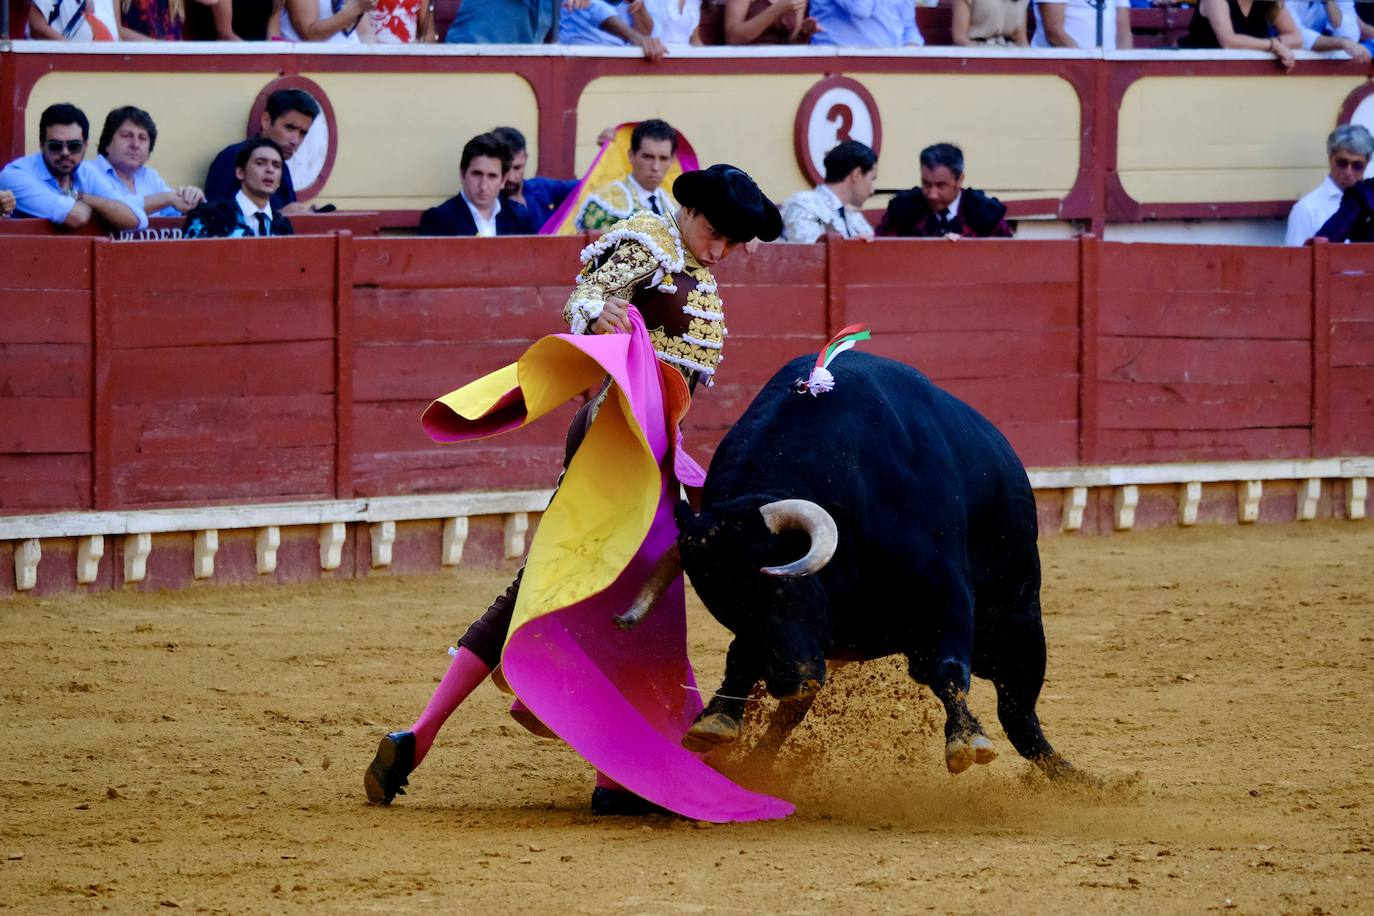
(1187, 405)
(1049, 443)
(47, 316)
(1351, 282)
(156, 317)
(399, 372)
(1350, 430)
(177, 373)
(1205, 267)
(1352, 343)
(774, 311)
(209, 426)
(965, 308)
(496, 466)
(45, 424)
(1019, 400)
(394, 426)
(45, 264)
(517, 313)
(44, 482)
(45, 370)
(773, 265)
(295, 264)
(1217, 361)
(1135, 446)
(899, 262)
(983, 354)
(231, 475)
(1157, 311)
(439, 263)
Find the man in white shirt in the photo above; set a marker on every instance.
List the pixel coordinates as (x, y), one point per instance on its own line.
(125, 145)
(477, 210)
(1073, 24)
(1347, 152)
(851, 171)
(258, 167)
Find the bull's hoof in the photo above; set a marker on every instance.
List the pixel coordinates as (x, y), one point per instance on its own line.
(960, 754)
(710, 732)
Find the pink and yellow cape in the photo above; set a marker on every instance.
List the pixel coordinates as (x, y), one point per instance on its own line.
(621, 699)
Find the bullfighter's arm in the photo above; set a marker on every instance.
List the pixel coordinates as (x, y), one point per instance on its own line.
(628, 267)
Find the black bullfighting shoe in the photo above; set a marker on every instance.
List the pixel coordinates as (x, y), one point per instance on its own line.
(386, 775)
(619, 803)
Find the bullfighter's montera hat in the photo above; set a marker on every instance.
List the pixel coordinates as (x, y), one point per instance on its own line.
(731, 201)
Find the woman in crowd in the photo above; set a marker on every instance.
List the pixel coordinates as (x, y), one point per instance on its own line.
(768, 22)
(339, 21)
(999, 23)
(154, 20)
(678, 21)
(1245, 25)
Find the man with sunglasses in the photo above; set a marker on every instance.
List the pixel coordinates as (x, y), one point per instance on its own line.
(1347, 152)
(56, 185)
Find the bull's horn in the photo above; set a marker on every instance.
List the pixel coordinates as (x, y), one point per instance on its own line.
(668, 568)
(815, 521)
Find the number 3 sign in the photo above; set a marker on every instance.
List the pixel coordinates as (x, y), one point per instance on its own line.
(834, 110)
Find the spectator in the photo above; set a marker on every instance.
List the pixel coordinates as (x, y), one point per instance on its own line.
(154, 20)
(505, 22)
(1316, 19)
(538, 196)
(235, 20)
(7, 204)
(328, 20)
(865, 23)
(652, 145)
(768, 22)
(600, 23)
(1244, 25)
(1353, 220)
(851, 171)
(259, 167)
(54, 184)
(477, 209)
(73, 20)
(997, 23)
(126, 143)
(403, 22)
(289, 115)
(678, 22)
(1347, 154)
(942, 207)
(1073, 24)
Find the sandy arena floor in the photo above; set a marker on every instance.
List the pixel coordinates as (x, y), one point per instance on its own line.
(203, 750)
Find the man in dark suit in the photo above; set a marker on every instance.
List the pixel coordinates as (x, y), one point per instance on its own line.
(288, 118)
(942, 207)
(258, 167)
(1353, 220)
(477, 209)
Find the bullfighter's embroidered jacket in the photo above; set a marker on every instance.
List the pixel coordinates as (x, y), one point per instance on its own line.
(609, 204)
(642, 260)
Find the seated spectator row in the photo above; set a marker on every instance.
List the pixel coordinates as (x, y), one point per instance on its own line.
(657, 26)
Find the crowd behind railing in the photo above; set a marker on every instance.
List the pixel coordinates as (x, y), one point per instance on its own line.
(248, 189)
(660, 27)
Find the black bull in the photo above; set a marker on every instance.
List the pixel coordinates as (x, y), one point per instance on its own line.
(931, 522)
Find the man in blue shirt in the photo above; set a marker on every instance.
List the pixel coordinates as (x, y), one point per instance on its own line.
(865, 23)
(126, 142)
(54, 184)
(289, 115)
(539, 196)
(601, 23)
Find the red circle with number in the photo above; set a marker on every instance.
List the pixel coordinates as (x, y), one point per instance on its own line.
(834, 110)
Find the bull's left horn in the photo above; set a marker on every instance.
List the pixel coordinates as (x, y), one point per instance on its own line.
(668, 568)
(807, 516)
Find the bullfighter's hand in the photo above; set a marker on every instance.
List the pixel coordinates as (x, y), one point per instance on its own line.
(191, 195)
(295, 209)
(752, 245)
(7, 203)
(614, 318)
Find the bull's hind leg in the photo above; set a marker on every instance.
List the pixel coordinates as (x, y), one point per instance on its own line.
(946, 669)
(1016, 667)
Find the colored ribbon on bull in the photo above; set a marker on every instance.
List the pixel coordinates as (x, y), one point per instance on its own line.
(612, 163)
(615, 696)
(821, 379)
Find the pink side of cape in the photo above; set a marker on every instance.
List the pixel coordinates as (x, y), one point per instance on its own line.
(622, 699)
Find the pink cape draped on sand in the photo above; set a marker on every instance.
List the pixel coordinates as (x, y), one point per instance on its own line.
(621, 699)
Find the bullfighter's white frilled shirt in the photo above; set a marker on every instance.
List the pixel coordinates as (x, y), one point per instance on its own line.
(642, 260)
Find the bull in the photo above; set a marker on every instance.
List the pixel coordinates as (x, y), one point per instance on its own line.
(883, 517)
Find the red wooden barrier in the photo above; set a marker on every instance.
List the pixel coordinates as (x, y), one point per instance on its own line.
(194, 373)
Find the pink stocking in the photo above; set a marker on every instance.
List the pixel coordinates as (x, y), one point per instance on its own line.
(462, 678)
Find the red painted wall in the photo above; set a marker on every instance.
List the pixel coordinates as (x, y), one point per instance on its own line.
(192, 373)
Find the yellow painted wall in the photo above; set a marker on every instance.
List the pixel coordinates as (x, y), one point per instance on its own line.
(1215, 139)
(402, 135)
(749, 123)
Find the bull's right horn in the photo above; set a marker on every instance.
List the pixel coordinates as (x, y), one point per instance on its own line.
(807, 516)
(668, 568)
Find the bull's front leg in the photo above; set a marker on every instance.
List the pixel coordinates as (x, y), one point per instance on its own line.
(720, 722)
